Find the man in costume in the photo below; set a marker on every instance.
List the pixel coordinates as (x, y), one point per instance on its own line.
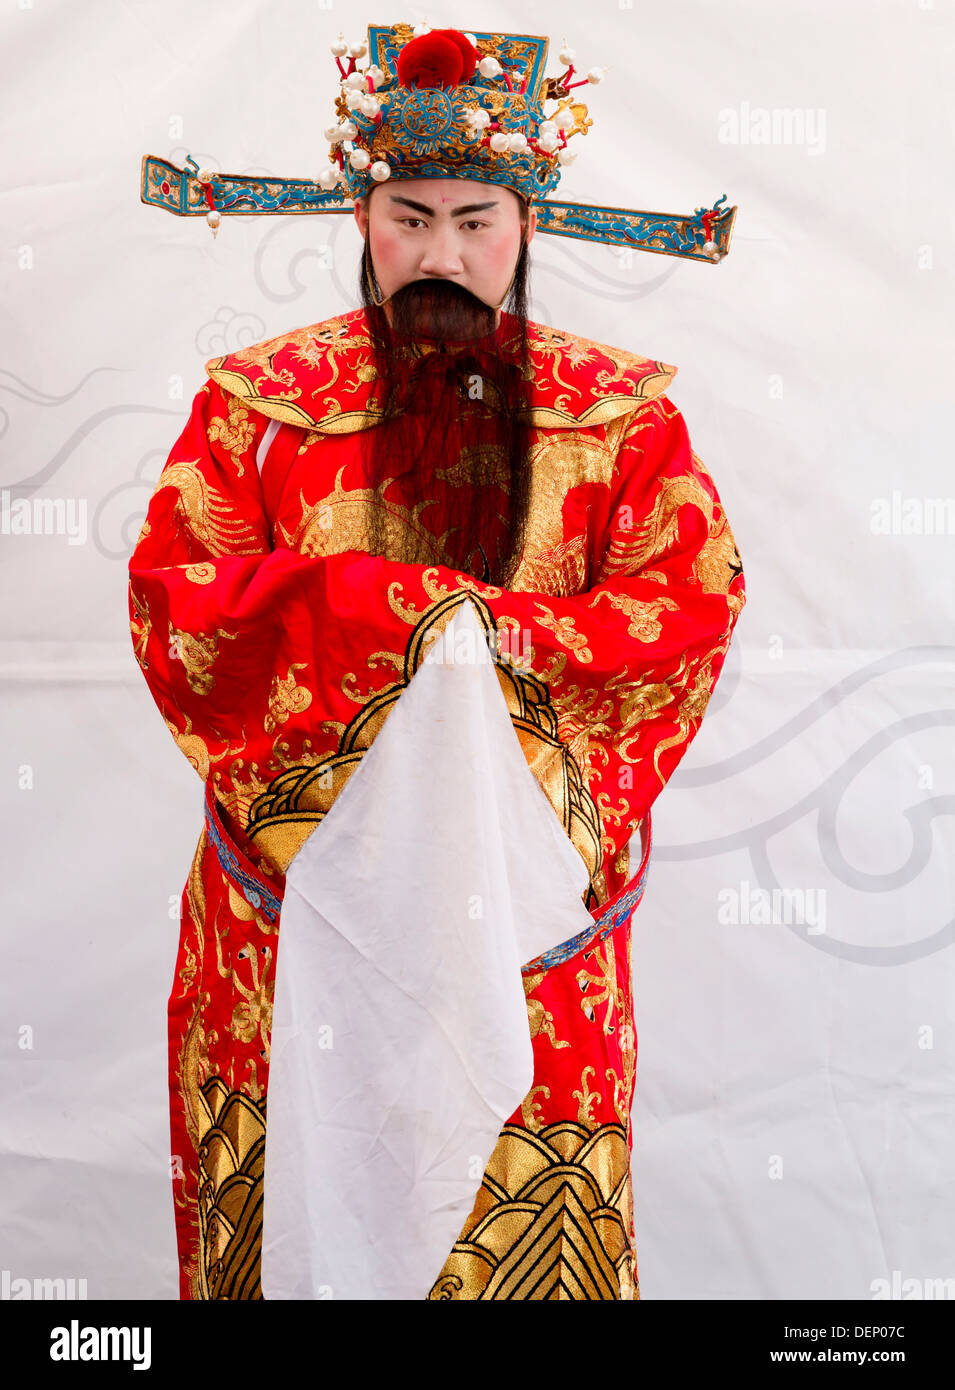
(340, 497)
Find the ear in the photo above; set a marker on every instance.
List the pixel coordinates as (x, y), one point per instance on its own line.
(531, 225)
(361, 215)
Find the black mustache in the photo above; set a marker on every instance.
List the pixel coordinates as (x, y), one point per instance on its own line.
(445, 308)
(437, 290)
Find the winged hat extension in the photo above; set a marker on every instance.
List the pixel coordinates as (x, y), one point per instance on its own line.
(438, 103)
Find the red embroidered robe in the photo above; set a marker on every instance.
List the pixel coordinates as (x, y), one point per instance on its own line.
(275, 647)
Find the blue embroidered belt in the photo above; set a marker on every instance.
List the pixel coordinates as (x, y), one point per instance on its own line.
(242, 874)
(237, 867)
(612, 914)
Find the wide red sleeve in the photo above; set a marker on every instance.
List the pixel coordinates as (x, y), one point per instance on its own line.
(630, 664)
(240, 642)
(258, 658)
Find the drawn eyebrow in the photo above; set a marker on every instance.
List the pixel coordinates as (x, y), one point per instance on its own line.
(455, 212)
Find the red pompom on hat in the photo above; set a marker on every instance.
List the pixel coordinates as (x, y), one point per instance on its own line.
(468, 52)
(438, 59)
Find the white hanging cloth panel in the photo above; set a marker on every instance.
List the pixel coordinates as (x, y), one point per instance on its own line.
(400, 1038)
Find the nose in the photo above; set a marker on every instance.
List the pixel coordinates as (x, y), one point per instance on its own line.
(441, 255)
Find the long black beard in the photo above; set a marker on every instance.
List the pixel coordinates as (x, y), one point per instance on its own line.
(456, 394)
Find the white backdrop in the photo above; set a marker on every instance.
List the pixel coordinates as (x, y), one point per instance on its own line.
(794, 1083)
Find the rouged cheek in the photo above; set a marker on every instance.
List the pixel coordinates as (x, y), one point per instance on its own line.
(389, 251)
(493, 264)
(500, 254)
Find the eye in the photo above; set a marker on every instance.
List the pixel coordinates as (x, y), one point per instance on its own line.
(408, 220)
(474, 222)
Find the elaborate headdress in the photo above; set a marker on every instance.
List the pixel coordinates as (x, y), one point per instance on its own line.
(437, 103)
